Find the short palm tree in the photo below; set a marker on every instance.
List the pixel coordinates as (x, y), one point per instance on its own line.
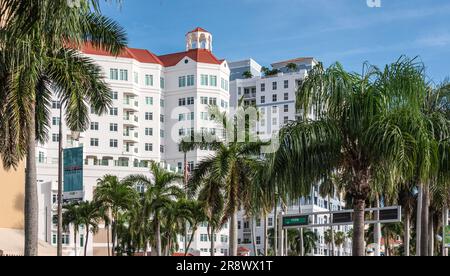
(161, 190)
(247, 75)
(339, 240)
(72, 217)
(116, 196)
(90, 216)
(38, 61)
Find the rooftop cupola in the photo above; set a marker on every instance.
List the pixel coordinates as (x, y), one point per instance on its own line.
(199, 39)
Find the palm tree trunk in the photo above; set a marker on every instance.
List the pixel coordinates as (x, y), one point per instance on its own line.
(233, 235)
(407, 233)
(31, 196)
(86, 241)
(377, 229)
(186, 191)
(431, 236)
(419, 220)
(359, 228)
(444, 229)
(253, 230)
(75, 235)
(213, 245)
(107, 240)
(331, 228)
(113, 237)
(266, 233)
(424, 248)
(60, 186)
(275, 229)
(194, 230)
(158, 237)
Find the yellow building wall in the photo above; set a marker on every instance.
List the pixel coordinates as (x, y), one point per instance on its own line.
(12, 191)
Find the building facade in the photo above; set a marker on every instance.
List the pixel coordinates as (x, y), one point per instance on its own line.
(157, 100)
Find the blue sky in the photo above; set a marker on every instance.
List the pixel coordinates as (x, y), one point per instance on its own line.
(347, 31)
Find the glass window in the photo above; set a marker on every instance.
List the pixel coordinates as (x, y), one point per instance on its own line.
(275, 98)
(213, 101)
(162, 83)
(123, 75)
(149, 116)
(286, 96)
(149, 132)
(182, 102)
(274, 85)
(286, 84)
(56, 105)
(55, 138)
(114, 111)
(204, 80)
(190, 80)
(94, 142)
(286, 108)
(149, 80)
(136, 77)
(113, 143)
(213, 80)
(263, 99)
(56, 121)
(182, 81)
(149, 100)
(204, 100)
(148, 147)
(113, 127)
(263, 87)
(114, 95)
(190, 101)
(114, 74)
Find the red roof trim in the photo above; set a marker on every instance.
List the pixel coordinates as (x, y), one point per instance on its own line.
(198, 29)
(198, 55)
(145, 56)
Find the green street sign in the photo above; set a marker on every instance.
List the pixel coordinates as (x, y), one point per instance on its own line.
(447, 237)
(295, 221)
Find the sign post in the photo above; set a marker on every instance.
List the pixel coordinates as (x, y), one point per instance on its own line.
(73, 174)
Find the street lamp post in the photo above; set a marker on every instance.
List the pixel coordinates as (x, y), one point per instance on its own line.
(60, 186)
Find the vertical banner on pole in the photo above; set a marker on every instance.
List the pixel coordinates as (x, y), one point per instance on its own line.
(73, 174)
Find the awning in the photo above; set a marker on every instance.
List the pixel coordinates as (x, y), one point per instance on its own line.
(12, 244)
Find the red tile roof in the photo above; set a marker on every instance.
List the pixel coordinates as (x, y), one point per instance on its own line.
(140, 55)
(198, 29)
(199, 55)
(145, 56)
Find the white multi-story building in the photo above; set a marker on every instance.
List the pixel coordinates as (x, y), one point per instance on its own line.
(156, 101)
(274, 97)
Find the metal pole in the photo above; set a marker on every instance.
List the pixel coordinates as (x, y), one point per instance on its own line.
(60, 186)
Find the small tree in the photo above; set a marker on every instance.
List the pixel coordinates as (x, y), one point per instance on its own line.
(292, 67)
(247, 75)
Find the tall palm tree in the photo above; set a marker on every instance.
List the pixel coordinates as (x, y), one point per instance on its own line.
(72, 217)
(160, 191)
(233, 164)
(39, 61)
(117, 196)
(349, 132)
(329, 241)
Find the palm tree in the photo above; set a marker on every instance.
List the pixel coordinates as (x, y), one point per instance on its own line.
(350, 133)
(39, 61)
(339, 240)
(72, 216)
(292, 67)
(233, 164)
(247, 75)
(160, 191)
(90, 216)
(116, 196)
(329, 241)
(197, 216)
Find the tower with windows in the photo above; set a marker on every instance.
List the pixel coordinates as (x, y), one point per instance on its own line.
(199, 39)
